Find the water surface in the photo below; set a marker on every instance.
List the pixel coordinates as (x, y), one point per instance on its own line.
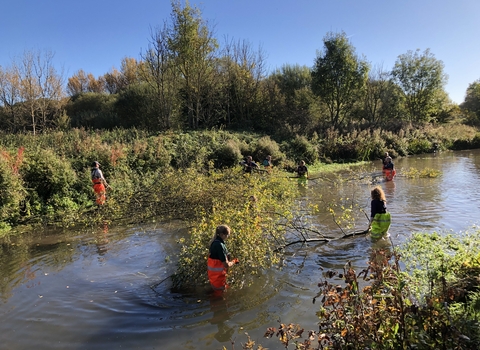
(98, 289)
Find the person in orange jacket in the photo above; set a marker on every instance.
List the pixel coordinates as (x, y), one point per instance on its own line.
(218, 260)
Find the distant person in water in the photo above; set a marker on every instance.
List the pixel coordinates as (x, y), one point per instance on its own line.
(388, 164)
(302, 170)
(388, 168)
(379, 217)
(249, 165)
(386, 159)
(267, 162)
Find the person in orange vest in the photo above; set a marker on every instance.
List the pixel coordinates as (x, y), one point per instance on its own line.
(388, 168)
(218, 260)
(99, 183)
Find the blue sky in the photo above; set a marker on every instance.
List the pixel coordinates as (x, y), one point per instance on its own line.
(94, 35)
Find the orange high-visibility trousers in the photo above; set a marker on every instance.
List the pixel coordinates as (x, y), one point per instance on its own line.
(99, 189)
(217, 274)
(389, 174)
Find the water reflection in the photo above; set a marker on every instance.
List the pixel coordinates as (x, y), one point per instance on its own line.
(220, 314)
(101, 240)
(389, 189)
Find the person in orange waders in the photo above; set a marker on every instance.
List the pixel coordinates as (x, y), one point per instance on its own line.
(388, 168)
(218, 262)
(99, 183)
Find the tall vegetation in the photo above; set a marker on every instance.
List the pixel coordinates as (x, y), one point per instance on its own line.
(31, 93)
(472, 103)
(257, 208)
(338, 78)
(421, 78)
(45, 177)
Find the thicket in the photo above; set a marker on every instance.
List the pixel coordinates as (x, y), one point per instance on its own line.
(45, 178)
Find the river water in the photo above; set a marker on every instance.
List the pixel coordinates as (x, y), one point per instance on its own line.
(98, 289)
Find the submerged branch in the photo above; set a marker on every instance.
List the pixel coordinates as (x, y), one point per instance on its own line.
(323, 239)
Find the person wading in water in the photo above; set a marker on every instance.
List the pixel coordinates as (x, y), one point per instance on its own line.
(99, 183)
(249, 165)
(218, 262)
(302, 170)
(379, 217)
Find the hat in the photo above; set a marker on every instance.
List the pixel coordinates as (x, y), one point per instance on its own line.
(95, 163)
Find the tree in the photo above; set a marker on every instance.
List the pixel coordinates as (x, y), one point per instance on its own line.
(291, 78)
(381, 101)
(472, 98)
(243, 70)
(96, 85)
(295, 83)
(32, 91)
(10, 98)
(421, 77)
(77, 83)
(338, 77)
(93, 110)
(160, 73)
(112, 81)
(130, 70)
(115, 81)
(193, 47)
(136, 107)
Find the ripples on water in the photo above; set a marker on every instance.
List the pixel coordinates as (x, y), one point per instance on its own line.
(94, 290)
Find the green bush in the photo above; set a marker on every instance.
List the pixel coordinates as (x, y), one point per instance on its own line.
(301, 149)
(256, 225)
(127, 154)
(50, 181)
(418, 146)
(187, 151)
(266, 146)
(148, 154)
(226, 155)
(12, 192)
(433, 304)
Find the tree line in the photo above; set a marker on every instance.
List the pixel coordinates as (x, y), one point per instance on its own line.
(186, 80)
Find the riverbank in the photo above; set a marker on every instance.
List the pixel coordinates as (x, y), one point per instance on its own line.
(45, 179)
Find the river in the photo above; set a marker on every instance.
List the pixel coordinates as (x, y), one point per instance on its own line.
(97, 289)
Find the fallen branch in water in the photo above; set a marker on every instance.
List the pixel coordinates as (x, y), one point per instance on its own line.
(323, 239)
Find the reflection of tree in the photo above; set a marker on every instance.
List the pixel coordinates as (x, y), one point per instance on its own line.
(20, 260)
(9, 270)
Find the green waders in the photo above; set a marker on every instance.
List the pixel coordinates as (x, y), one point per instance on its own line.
(380, 225)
